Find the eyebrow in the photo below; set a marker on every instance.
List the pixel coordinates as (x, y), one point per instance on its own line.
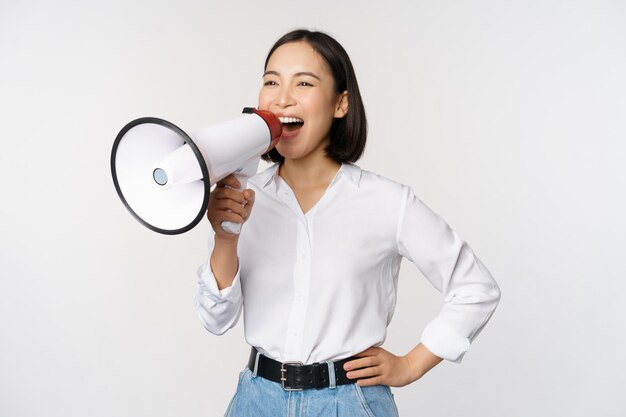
(297, 74)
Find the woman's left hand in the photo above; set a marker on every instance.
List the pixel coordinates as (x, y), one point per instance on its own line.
(377, 366)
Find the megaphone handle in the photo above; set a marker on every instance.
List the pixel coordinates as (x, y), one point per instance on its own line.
(242, 176)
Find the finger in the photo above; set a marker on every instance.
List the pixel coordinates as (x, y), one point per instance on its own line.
(360, 363)
(249, 195)
(368, 382)
(230, 205)
(229, 181)
(364, 373)
(229, 193)
(227, 216)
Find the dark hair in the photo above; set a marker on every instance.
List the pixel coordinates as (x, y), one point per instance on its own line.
(349, 133)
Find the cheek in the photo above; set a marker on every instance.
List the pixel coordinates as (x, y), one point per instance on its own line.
(264, 100)
(323, 108)
(323, 103)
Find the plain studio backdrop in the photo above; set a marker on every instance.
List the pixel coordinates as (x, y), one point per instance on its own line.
(506, 118)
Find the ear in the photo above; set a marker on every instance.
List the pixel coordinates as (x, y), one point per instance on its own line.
(341, 109)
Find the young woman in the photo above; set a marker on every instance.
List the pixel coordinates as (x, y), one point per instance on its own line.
(316, 264)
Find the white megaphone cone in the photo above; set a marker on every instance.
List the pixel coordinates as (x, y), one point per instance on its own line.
(164, 177)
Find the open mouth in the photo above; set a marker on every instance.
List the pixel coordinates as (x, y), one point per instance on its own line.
(291, 123)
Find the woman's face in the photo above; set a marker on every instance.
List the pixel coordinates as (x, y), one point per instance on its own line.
(299, 88)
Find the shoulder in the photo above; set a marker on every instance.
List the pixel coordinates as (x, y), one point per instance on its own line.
(373, 181)
(378, 192)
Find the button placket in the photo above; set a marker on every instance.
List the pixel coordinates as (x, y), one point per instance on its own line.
(301, 276)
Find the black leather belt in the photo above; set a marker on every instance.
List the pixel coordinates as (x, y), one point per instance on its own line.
(294, 376)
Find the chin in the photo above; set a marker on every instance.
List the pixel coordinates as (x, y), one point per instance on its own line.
(290, 155)
(287, 152)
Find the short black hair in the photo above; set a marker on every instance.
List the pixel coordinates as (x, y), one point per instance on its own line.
(349, 133)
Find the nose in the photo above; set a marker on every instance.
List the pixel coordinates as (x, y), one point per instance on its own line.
(285, 97)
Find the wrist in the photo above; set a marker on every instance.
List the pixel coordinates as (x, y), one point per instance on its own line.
(421, 360)
(229, 242)
(415, 370)
(223, 261)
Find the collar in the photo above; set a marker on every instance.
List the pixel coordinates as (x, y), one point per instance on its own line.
(350, 171)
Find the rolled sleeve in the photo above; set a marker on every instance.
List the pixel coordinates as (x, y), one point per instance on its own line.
(219, 310)
(470, 292)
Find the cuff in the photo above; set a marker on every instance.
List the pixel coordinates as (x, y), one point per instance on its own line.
(208, 285)
(444, 341)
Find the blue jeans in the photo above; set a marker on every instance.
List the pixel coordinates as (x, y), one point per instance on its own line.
(259, 397)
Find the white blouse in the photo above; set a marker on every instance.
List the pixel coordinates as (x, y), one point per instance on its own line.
(322, 285)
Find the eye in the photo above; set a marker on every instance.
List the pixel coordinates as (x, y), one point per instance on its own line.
(269, 83)
(305, 84)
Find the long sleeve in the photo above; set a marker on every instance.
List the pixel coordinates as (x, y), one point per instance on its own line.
(219, 310)
(470, 292)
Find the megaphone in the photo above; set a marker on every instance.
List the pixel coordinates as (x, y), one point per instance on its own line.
(164, 176)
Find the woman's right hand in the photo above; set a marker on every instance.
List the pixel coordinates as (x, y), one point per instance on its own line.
(227, 204)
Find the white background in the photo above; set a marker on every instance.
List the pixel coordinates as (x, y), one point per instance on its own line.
(508, 118)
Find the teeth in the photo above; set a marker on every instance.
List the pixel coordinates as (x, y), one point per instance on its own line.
(290, 120)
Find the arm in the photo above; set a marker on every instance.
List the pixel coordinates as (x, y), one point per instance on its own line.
(470, 294)
(219, 299)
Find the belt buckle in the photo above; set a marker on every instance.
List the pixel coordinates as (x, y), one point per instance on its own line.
(283, 378)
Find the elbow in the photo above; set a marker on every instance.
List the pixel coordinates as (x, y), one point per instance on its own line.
(492, 299)
(217, 331)
(218, 319)
(215, 327)
(497, 293)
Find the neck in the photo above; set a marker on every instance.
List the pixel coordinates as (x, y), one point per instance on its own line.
(313, 171)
